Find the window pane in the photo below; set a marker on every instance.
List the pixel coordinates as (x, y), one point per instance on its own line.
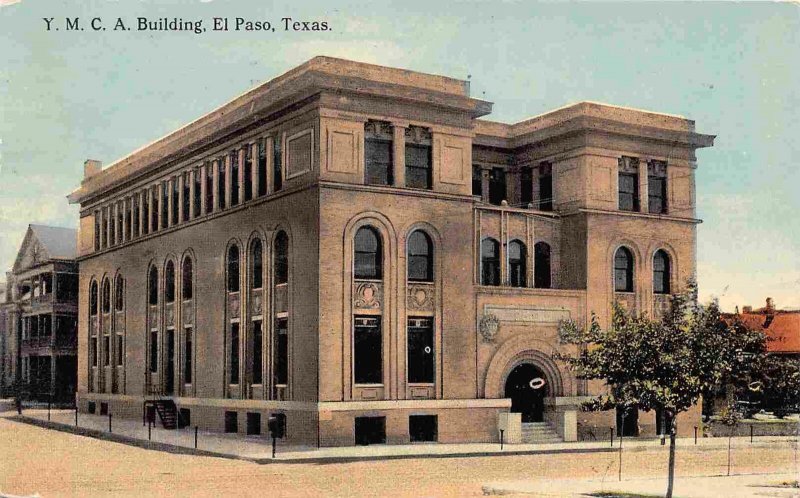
(257, 259)
(378, 158)
(234, 365)
(187, 278)
(233, 269)
(418, 166)
(281, 360)
(421, 357)
(497, 186)
(420, 260)
(367, 254)
(258, 353)
(368, 356)
(541, 266)
(187, 357)
(281, 258)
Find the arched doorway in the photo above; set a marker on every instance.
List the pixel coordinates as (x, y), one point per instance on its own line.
(527, 387)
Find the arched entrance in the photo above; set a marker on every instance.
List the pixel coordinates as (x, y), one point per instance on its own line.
(527, 387)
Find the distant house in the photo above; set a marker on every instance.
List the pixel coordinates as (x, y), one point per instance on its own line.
(40, 315)
(781, 327)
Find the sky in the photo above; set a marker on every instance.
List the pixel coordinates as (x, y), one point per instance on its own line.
(66, 96)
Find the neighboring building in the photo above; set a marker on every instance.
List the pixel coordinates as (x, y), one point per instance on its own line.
(350, 246)
(781, 327)
(41, 315)
(6, 357)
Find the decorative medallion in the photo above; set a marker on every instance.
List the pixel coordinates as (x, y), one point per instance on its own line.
(257, 303)
(170, 316)
(233, 305)
(489, 325)
(153, 319)
(368, 295)
(187, 313)
(420, 297)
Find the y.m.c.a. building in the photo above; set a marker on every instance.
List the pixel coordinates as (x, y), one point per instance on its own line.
(351, 247)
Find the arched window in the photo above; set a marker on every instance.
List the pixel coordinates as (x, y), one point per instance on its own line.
(152, 283)
(420, 257)
(187, 278)
(119, 293)
(106, 302)
(517, 269)
(490, 262)
(368, 254)
(93, 299)
(233, 269)
(541, 265)
(169, 282)
(281, 258)
(661, 272)
(623, 270)
(257, 264)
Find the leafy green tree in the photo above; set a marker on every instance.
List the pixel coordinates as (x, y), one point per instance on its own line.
(663, 365)
(780, 380)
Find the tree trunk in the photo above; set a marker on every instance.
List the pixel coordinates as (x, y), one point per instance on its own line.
(671, 478)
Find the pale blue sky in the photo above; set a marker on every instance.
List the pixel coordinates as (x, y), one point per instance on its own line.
(68, 96)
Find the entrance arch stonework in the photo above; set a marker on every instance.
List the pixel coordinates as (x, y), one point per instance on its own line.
(520, 349)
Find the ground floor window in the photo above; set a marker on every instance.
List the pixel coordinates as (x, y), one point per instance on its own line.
(153, 351)
(231, 422)
(234, 364)
(423, 428)
(93, 351)
(420, 350)
(258, 352)
(370, 430)
(187, 356)
(120, 350)
(184, 417)
(367, 350)
(253, 424)
(281, 360)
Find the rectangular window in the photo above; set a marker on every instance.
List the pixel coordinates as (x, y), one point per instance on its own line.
(657, 187)
(93, 351)
(128, 220)
(106, 350)
(234, 374)
(258, 352)
(187, 196)
(526, 186)
(253, 424)
(175, 198)
(234, 178)
(154, 210)
(153, 351)
(629, 183)
(546, 186)
(145, 214)
(477, 181)
(277, 163)
(231, 422)
(421, 358)
(221, 183)
(248, 173)
(368, 350)
(135, 219)
(120, 350)
(262, 168)
(96, 231)
(281, 360)
(187, 356)
(378, 151)
(197, 200)
(418, 166)
(497, 186)
(423, 428)
(370, 430)
(209, 188)
(165, 191)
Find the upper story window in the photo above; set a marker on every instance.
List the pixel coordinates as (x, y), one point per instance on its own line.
(175, 197)
(145, 213)
(96, 231)
(661, 272)
(93, 299)
(210, 188)
(187, 279)
(418, 157)
(490, 262)
(197, 199)
(368, 254)
(281, 258)
(248, 172)
(497, 186)
(477, 180)
(526, 186)
(623, 270)
(165, 191)
(221, 180)
(154, 211)
(420, 257)
(106, 297)
(169, 282)
(187, 196)
(277, 163)
(119, 293)
(546, 186)
(257, 264)
(233, 268)
(629, 183)
(234, 158)
(517, 267)
(152, 284)
(378, 151)
(541, 265)
(262, 168)
(657, 187)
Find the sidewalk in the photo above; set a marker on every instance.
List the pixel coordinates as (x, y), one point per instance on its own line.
(745, 486)
(259, 448)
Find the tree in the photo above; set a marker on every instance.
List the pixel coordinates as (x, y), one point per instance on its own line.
(780, 380)
(663, 365)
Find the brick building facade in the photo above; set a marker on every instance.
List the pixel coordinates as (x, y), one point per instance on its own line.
(352, 246)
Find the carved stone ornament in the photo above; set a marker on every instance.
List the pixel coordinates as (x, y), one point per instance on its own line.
(187, 313)
(170, 316)
(257, 305)
(489, 325)
(153, 319)
(233, 305)
(420, 297)
(368, 295)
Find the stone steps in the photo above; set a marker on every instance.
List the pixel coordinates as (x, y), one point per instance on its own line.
(539, 433)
